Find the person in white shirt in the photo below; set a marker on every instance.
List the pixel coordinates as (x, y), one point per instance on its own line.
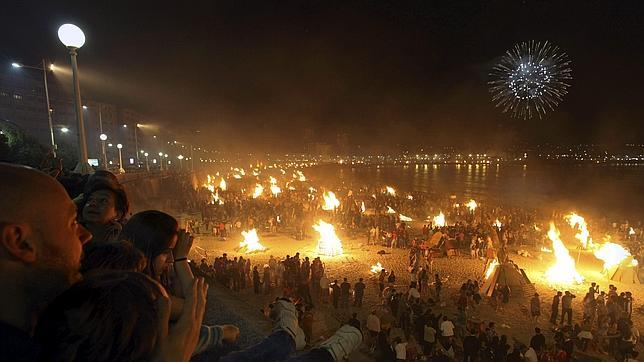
(401, 350)
(447, 328)
(531, 355)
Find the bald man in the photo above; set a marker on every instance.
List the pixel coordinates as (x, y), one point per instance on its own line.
(40, 251)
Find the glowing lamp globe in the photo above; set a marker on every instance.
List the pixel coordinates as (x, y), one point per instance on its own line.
(119, 146)
(103, 137)
(71, 36)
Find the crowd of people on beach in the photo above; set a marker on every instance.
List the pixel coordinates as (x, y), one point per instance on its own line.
(90, 281)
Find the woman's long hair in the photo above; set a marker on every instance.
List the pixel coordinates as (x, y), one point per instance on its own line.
(109, 316)
(152, 233)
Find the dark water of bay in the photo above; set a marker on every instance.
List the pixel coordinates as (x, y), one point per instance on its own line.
(600, 190)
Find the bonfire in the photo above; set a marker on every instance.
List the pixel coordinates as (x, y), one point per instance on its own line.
(330, 201)
(328, 244)
(563, 271)
(251, 242)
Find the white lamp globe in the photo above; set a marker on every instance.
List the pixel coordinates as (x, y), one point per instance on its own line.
(103, 137)
(119, 146)
(71, 35)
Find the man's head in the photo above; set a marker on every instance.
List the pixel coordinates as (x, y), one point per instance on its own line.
(40, 241)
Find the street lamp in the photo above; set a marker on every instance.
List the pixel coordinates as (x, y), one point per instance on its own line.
(121, 169)
(103, 138)
(64, 129)
(44, 74)
(161, 161)
(73, 38)
(147, 164)
(180, 157)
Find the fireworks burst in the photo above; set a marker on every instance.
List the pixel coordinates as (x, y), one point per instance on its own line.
(530, 79)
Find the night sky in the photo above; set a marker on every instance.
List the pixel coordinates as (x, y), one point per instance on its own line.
(272, 74)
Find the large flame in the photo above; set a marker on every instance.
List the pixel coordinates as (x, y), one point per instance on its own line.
(251, 241)
(222, 185)
(275, 190)
(258, 191)
(329, 244)
(583, 235)
(376, 269)
(330, 201)
(611, 254)
(472, 205)
(490, 268)
(439, 220)
(563, 271)
(390, 190)
(299, 175)
(404, 218)
(498, 224)
(390, 210)
(363, 208)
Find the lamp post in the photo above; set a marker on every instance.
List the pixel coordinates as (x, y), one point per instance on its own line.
(103, 138)
(160, 161)
(121, 169)
(180, 157)
(44, 75)
(136, 143)
(147, 164)
(73, 38)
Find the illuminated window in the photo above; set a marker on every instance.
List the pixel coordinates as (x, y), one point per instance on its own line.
(17, 96)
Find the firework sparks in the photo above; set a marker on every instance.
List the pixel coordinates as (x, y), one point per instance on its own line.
(530, 79)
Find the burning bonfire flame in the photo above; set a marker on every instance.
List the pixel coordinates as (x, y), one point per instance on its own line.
(376, 269)
(330, 201)
(580, 223)
(410, 197)
(390, 210)
(563, 272)
(329, 244)
(275, 190)
(439, 220)
(258, 191)
(611, 254)
(472, 205)
(251, 241)
(491, 267)
(404, 218)
(299, 175)
(222, 185)
(497, 223)
(631, 231)
(390, 190)
(214, 195)
(363, 208)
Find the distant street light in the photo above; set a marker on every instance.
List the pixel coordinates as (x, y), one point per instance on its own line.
(73, 38)
(103, 138)
(64, 129)
(121, 169)
(49, 110)
(180, 157)
(160, 161)
(147, 164)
